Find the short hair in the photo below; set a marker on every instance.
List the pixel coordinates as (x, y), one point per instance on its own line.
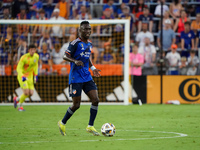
(84, 22)
(187, 23)
(31, 46)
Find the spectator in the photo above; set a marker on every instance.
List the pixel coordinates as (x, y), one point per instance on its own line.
(136, 62)
(193, 63)
(173, 58)
(147, 18)
(112, 7)
(144, 33)
(161, 61)
(34, 10)
(17, 5)
(119, 10)
(105, 29)
(39, 29)
(169, 36)
(77, 5)
(63, 71)
(6, 13)
(57, 30)
(64, 7)
(158, 9)
(49, 8)
(127, 15)
(149, 53)
(45, 58)
(195, 26)
(8, 40)
(166, 17)
(57, 55)
(22, 48)
(138, 9)
(107, 56)
(183, 66)
(179, 25)
(83, 15)
(187, 40)
(197, 43)
(24, 28)
(45, 39)
(65, 45)
(175, 9)
(97, 9)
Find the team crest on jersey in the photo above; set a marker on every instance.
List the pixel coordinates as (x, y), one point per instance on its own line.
(82, 47)
(74, 91)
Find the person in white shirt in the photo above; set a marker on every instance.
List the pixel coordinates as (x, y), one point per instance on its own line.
(57, 30)
(173, 58)
(144, 33)
(158, 9)
(149, 53)
(57, 55)
(193, 63)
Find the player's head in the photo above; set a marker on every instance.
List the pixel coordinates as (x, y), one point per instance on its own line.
(85, 30)
(32, 49)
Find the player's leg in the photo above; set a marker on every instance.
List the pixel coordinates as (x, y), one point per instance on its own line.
(75, 92)
(22, 99)
(91, 90)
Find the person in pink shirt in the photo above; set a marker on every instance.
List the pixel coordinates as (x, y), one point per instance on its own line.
(136, 61)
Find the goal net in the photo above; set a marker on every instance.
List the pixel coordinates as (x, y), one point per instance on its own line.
(110, 54)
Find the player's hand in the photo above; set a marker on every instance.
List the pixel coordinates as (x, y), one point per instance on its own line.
(35, 79)
(79, 63)
(96, 73)
(24, 78)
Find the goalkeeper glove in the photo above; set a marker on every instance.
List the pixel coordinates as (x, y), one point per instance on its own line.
(35, 79)
(23, 79)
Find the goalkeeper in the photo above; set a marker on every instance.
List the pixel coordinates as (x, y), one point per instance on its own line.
(26, 69)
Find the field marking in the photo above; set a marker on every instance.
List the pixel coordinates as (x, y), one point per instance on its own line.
(177, 135)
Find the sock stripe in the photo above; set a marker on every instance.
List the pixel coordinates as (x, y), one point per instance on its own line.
(94, 107)
(70, 111)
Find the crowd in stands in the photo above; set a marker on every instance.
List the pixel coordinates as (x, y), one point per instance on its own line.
(180, 39)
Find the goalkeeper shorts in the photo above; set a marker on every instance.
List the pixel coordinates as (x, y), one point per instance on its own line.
(28, 84)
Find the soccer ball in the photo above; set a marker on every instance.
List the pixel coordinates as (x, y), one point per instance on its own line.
(108, 129)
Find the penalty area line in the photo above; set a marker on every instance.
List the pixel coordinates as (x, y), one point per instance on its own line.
(176, 135)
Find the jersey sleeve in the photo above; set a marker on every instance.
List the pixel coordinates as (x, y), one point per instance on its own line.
(35, 69)
(71, 49)
(20, 66)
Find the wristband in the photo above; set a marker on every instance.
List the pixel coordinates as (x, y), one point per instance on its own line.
(92, 68)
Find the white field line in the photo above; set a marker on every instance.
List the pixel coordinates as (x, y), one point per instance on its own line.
(62, 103)
(176, 135)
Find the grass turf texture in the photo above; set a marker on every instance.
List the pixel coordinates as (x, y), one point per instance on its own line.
(136, 126)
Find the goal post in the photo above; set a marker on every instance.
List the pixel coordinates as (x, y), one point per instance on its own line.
(126, 29)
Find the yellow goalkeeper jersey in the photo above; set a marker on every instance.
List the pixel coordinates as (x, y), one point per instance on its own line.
(28, 65)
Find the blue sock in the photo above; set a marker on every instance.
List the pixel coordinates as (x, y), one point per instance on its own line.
(68, 114)
(93, 113)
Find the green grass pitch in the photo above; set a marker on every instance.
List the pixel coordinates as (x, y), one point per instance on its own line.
(146, 127)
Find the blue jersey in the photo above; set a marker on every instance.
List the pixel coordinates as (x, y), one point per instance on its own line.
(79, 51)
(45, 57)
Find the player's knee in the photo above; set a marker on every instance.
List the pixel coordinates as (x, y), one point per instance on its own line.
(26, 93)
(95, 101)
(75, 107)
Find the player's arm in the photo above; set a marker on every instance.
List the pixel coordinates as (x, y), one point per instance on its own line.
(67, 55)
(94, 70)
(20, 66)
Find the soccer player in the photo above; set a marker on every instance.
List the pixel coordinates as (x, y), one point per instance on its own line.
(78, 54)
(26, 69)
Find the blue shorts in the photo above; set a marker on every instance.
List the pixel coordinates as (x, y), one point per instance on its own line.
(75, 89)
